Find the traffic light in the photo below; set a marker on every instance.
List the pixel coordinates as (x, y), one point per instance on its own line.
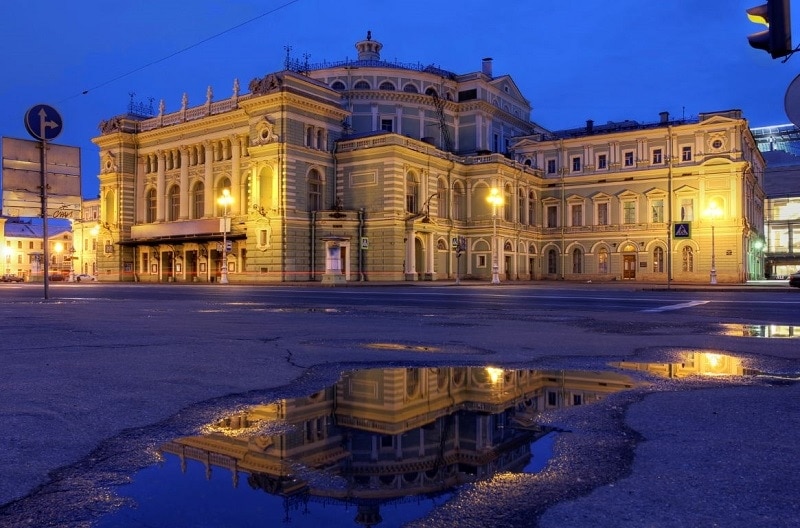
(777, 38)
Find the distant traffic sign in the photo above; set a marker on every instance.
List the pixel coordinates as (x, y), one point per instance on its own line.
(43, 122)
(682, 230)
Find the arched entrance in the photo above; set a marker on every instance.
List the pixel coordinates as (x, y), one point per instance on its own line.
(628, 251)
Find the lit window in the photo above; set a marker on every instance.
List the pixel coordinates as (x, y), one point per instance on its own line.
(657, 210)
(628, 159)
(657, 158)
(602, 213)
(628, 212)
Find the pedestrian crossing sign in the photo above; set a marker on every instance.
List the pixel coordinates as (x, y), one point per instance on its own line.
(682, 230)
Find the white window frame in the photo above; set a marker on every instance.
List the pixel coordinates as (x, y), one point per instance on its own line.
(657, 156)
(628, 155)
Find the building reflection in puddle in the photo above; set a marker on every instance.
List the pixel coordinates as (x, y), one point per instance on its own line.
(692, 364)
(768, 331)
(380, 436)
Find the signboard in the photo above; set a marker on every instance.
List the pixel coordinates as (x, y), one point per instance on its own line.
(364, 243)
(21, 175)
(682, 230)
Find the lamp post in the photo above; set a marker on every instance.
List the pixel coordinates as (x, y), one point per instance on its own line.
(225, 200)
(713, 212)
(496, 199)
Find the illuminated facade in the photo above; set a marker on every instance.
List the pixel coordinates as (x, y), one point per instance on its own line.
(615, 197)
(376, 170)
(85, 232)
(23, 249)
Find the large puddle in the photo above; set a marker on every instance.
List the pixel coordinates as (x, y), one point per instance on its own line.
(379, 448)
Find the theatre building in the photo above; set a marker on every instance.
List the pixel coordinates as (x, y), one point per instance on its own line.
(374, 170)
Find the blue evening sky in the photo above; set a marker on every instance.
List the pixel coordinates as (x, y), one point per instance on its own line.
(574, 60)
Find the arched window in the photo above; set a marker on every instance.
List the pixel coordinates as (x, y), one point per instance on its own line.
(320, 139)
(314, 190)
(150, 211)
(309, 137)
(577, 260)
(444, 200)
(508, 205)
(386, 85)
(410, 88)
(361, 85)
(338, 86)
(224, 183)
(658, 260)
(173, 203)
(688, 258)
(432, 92)
(552, 262)
(198, 200)
(531, 208)
(412, 193)
(602, 260)
(459, 202)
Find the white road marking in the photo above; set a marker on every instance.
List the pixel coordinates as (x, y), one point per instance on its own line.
(675, 306)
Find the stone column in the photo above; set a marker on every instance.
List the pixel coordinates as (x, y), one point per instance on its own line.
(208, 179)
(185, 195)
(139, 215)
(410, 260)
(160, 186)
(238, 205)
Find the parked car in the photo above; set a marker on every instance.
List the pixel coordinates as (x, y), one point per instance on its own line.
(11, 278)
(83, 277)
(794, 279)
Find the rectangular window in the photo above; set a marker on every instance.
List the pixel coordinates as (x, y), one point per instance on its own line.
(686, 153)
(576, 212)
(145, 262)
(602, 161)
(577, 399)
(657, 211)
(386, 125)
(551, 399)
(552, 216)
(551, 166)
(628, 156)
(687, 209)
(576, 164)
(657, 158)
(602, 213)
(628, 212)
(481, 261)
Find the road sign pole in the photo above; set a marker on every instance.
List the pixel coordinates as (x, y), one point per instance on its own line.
(45, 241)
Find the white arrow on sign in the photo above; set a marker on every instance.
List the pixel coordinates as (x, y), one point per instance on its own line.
(44, 124)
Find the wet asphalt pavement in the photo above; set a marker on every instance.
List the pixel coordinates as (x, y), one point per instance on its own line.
(81, 379)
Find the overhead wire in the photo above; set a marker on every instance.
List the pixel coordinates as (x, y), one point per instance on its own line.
(182, 50)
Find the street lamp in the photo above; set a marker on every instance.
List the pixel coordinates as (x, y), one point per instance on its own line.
(713, 212)
(496, 199)
(225, 200)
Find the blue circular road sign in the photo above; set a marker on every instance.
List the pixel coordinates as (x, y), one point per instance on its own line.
(43, 122)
